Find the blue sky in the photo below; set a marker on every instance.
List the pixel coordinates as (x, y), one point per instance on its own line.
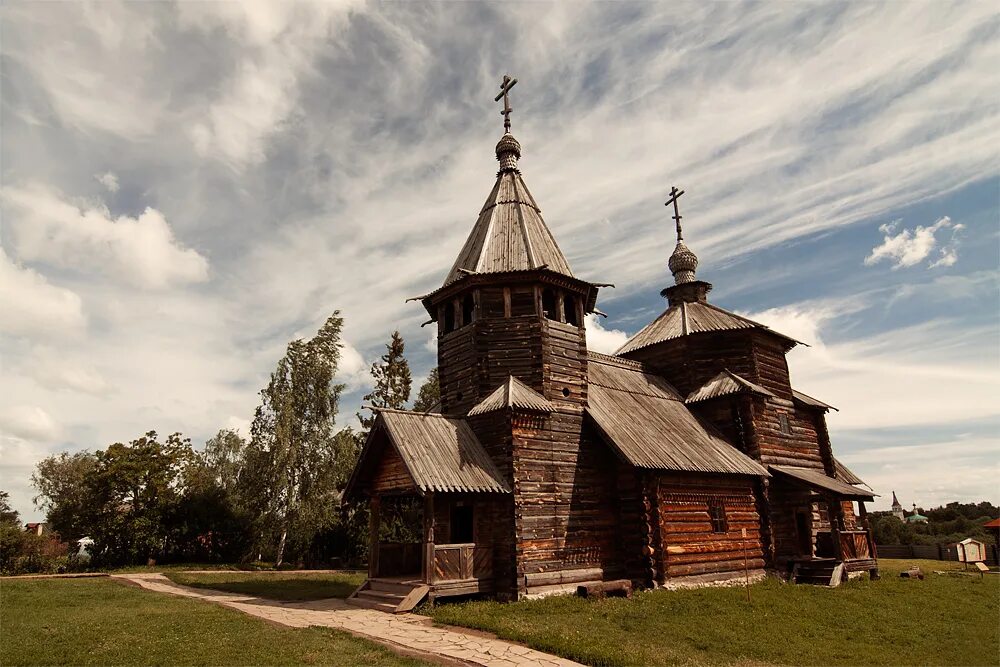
(186, 187)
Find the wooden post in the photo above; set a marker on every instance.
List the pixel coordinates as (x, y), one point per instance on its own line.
(560, 306)
(374, 507)
(506, 302)
(429, 538)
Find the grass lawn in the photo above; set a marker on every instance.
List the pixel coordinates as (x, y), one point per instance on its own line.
(275, 585)
(102, 622)
(942, 620)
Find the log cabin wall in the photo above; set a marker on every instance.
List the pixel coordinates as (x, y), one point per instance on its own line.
(457, 370)
(390, 475)
(691, 543)
(690, 361)
(796, 445)
(770, 368)
(564, 363)
(632, 526)
(565, 498)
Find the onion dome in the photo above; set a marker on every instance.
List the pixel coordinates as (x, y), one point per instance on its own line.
(683, 263)
(508, 152)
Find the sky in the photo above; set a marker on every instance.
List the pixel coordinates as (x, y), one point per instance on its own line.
(188, 186)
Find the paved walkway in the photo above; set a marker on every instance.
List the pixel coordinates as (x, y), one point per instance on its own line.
(409, 632)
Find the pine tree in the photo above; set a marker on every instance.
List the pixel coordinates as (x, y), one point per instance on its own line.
(392, 381)
(429, 394)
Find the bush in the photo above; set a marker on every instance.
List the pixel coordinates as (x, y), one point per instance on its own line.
(23, 552)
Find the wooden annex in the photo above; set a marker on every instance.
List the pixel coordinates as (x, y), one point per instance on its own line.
(685, 457)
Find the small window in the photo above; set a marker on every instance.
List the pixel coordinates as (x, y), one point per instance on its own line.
(570, 306)
(461, 523)
(549, 304)
(468, 309)
(717, 514)
(783, 424)
(449, 317)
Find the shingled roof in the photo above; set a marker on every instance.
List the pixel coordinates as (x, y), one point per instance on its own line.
(510, 234)
(724, 384)
(440, 453)
(645, 419)
(687, 318)
(512, 394)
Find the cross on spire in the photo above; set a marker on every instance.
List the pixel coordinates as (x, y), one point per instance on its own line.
(505, 87)
(675, 194)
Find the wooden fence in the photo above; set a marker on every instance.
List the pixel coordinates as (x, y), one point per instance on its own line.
(930, 552)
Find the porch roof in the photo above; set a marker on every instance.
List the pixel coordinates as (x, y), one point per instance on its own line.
(819, 480)
(440, 453)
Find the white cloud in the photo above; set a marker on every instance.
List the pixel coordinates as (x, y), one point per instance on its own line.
(108, 180)
(28, 422)
(888, 379)
(353, 370)
(600, 339)
(142, 250)
(57, 370)
(908, 248)
(31, 305)
(280, 42)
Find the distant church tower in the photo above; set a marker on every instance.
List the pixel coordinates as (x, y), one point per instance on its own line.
(897, 509)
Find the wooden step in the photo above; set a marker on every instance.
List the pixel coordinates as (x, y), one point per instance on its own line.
(387, 607)
(382, 596)
(390, 586)
(400, 597)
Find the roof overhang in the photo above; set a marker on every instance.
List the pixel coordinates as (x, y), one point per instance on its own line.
(819, 481)
(540, 274)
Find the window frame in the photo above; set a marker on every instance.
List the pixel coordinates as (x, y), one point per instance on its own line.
(717, 516)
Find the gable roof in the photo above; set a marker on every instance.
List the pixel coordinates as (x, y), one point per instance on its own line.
(646, 421)
(512, 394)
(724, 384)
(687, 318)
(509, 235)
(440, 453)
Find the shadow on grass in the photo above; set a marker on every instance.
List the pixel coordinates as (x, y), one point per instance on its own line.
(274, 586)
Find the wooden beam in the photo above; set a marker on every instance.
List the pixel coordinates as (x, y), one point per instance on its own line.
(429, 537)
(374, 508)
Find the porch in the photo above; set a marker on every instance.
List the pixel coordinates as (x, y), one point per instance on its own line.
(831, 546)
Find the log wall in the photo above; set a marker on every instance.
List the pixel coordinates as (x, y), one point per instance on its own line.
(391, 475)
(565, 497)
(689, 546)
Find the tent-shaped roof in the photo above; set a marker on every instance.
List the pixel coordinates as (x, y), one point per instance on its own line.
(646, 421)
(440, 453)
(512, 394)
(510, 234)
(687, 318)
(724, 384)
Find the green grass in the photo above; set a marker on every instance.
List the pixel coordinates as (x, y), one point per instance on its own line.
(942, 620)
(275, 585)
(102, 622)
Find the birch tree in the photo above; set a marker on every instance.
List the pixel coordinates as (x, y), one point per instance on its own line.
(290, 473)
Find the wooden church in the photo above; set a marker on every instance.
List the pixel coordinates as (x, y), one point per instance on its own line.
(684, 458)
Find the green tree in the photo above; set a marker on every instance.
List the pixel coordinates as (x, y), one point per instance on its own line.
(132, 494)
(429, 394)
(290, 471)
(392, 381)
(62, 493)
(7, 513)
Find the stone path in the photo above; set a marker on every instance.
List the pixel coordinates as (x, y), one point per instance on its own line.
(409, 633)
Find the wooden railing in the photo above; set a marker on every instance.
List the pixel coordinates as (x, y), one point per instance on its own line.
(456, 562)
(854, 545)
